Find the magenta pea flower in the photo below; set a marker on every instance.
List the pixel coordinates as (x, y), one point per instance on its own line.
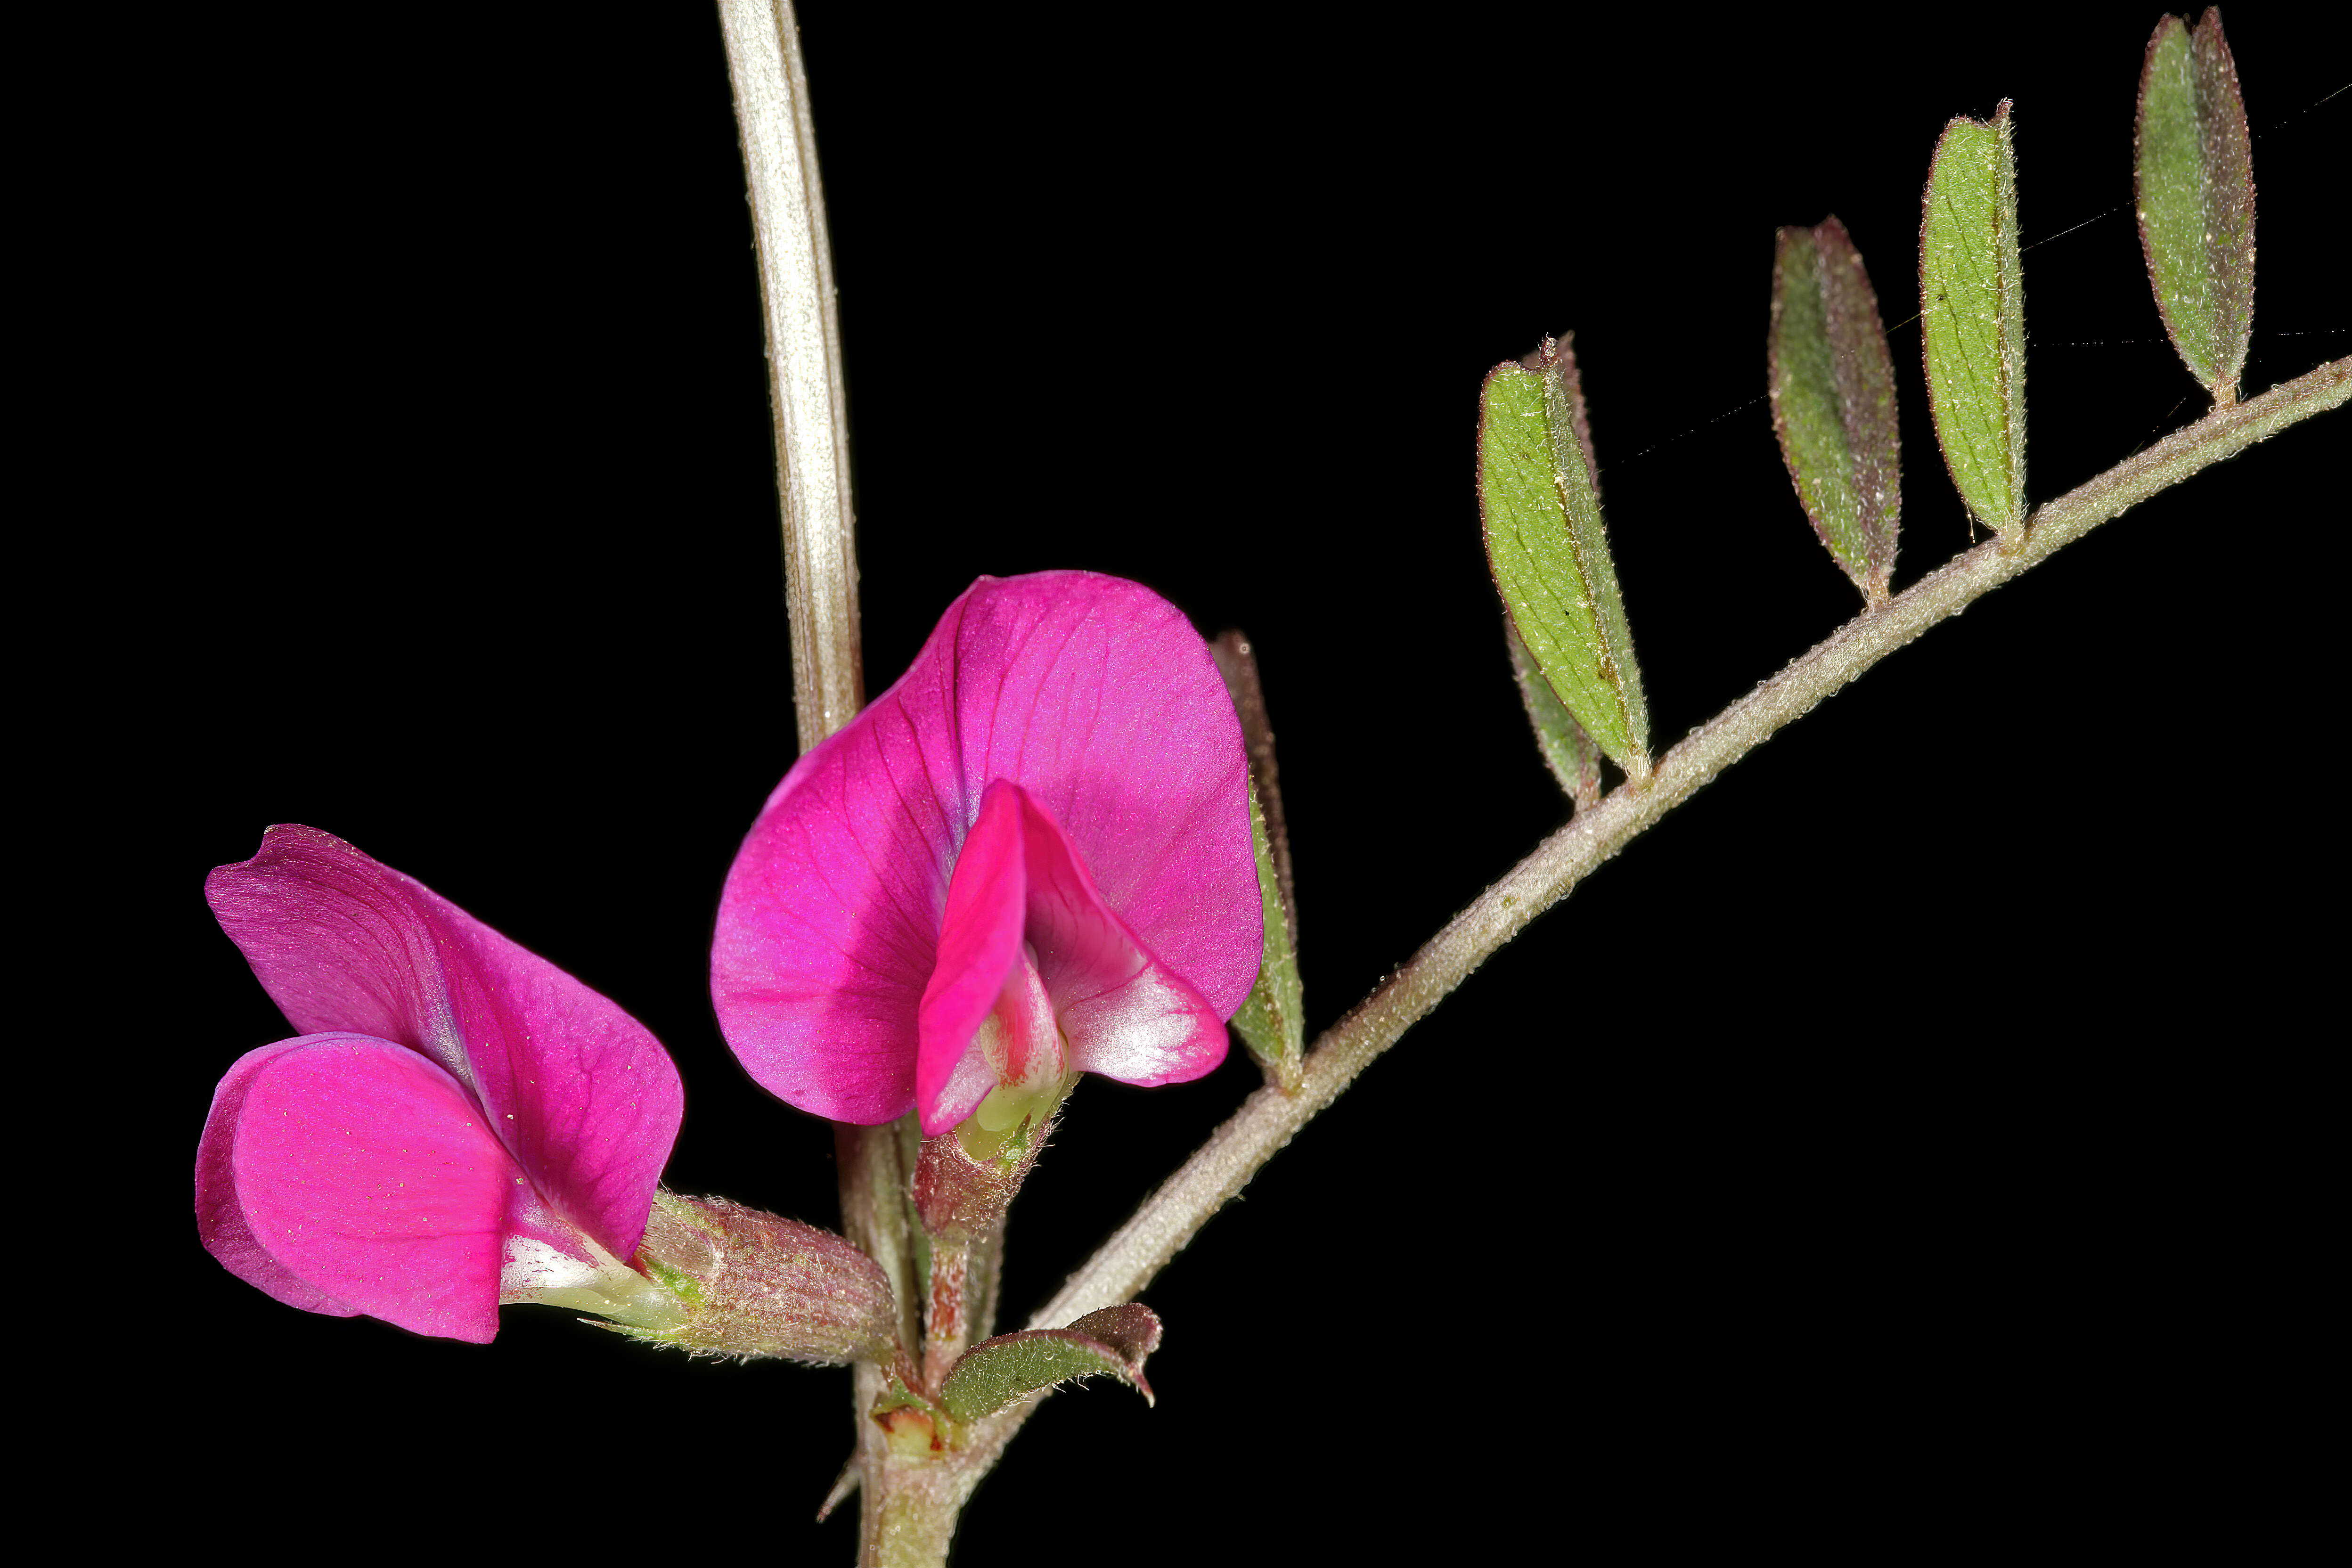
(459, 1122)
(1029, 858)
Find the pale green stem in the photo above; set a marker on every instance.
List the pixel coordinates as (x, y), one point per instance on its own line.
(796, 298)
(907, 1513)
(945, 1328)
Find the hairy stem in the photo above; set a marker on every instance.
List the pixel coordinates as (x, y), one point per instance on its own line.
(796, 298)
(908, 1505)
(1269, 1119)
(946, 1328)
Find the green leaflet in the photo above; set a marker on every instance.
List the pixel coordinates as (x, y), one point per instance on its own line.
(1569, 752)
(1972, 316)
(1549, 550)
(1272, 1019)
(1832, 386)
(2193, 172)
(995, 1372)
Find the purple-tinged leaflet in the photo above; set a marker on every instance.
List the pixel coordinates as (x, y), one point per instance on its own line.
(460, 1122)
(1030, 858)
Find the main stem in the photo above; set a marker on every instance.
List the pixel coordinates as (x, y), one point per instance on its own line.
(908, 1505)
(796, 298)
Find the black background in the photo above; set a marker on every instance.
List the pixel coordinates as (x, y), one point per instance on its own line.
(1900, 1142)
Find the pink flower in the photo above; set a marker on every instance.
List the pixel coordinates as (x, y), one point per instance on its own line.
(459, 1123)
(1028, 858)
